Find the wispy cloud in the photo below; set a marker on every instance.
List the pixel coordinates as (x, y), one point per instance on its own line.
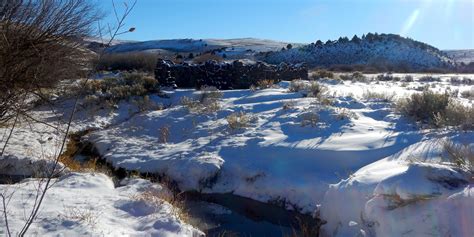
(410, 22)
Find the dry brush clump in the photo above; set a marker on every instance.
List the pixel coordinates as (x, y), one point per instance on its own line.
(378, 96)
(437, 109)
(207, 101)
(124, 87)
(238, 120)
(320, 73)
(311, 89)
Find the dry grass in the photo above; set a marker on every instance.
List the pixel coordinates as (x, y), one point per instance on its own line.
(289, 105)
(378, 96)
(156, 199)
(87, 216)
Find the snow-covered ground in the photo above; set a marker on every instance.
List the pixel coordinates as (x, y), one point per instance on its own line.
(89, 204)
(362, 166)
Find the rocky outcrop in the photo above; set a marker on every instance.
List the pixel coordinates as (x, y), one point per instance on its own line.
(226, 75)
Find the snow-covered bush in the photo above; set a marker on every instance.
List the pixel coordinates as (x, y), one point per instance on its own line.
(238, 120)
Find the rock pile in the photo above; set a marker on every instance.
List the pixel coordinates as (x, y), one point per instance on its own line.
(224, 76)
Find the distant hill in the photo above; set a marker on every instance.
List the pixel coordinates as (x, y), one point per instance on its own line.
(461, 56)
(390, 50)
(385, 51)
(231, 46)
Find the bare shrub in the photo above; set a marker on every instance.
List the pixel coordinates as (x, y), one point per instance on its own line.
(115, 89)
(464, 80)
(321, 73)
(437, 109)
(345, 114)
(206, 102)
(387, 77)
(87, 216)
(314, 89)
(462, 155)
(378, 96)
(310, 118)
(136, 61)
(164, 134)
(289, 105)
(38, 47)
(408, 78)
(238, 120)
(207, 57)
(297, 86)
(354, 77)
(265, 84)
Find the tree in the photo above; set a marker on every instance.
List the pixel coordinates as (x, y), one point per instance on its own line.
(289, 46)
(190, 56)
(40, 46)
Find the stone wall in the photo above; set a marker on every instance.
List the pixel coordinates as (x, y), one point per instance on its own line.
(224, 76)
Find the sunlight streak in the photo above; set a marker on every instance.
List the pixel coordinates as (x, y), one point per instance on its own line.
(410, 22)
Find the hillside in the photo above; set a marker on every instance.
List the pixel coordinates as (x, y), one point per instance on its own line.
(371, 49)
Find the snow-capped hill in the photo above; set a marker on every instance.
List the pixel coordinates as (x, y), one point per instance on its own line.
(200, 45)
(375, 49)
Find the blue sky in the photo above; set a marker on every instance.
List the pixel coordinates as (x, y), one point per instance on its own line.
(446, 24)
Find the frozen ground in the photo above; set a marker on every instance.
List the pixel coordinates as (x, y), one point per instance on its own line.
(366, 169)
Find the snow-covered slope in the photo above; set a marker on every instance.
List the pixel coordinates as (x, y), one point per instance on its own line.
(384, 49)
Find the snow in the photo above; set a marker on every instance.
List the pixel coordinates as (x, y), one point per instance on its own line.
(371, 171)
(89, 204)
